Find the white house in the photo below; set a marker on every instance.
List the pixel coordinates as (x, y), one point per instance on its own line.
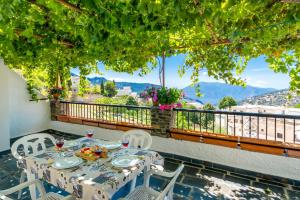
(125, 91)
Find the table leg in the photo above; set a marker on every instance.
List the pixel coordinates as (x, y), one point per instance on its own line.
(32, 188)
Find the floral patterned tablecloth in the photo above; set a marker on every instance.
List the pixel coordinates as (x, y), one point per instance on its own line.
(89, 181)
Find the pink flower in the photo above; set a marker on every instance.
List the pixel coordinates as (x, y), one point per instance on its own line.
(179, 105)
(155, 98)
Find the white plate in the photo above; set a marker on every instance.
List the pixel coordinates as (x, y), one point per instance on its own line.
(110, 145)
(70, 143)
(65, 163)
(125, 161)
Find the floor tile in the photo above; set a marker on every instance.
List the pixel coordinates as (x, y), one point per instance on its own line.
(199, 180)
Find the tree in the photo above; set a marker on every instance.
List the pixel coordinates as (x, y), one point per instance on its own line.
(131, 101)
(110, 89)
(102, 89)
(227, 102)
(217, 36)
(84, 87)
(207, 119)
(96, 89)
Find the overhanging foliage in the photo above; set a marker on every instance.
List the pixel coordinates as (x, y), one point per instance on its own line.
(127, 35)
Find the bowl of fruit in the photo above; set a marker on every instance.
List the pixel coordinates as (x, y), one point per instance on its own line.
(92, 153)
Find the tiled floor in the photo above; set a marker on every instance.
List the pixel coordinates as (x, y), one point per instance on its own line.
(199, 180)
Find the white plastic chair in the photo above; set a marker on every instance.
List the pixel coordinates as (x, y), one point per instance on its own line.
(41, 189)
(144, 192)
(138, 139)
(35, 142)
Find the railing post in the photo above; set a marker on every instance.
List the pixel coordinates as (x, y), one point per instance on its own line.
(161, 121)
(55, 109)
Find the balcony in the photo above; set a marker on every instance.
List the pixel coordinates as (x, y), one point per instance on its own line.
(220, 162)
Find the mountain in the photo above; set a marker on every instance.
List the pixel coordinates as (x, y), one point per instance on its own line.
(214, 91)
(277, 98)
(135, 87)
(97, 80)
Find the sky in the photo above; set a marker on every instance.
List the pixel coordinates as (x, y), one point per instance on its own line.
(256, 74)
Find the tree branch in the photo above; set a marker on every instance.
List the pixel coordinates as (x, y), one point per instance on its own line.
(38, 36)
(69, 5)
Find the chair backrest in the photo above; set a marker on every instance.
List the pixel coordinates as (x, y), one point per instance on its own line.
(35, 142)
(170, 186)
(138, 139)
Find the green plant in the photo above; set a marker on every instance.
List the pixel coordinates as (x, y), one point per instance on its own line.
(115, 100)
(297, 106)
(56, 90)
(96, 89)
(227, 102)
(217, 36)
(131, 101)
(32, 90)
(102, 89)
(110, 89)
(207, 119)
(167, 96)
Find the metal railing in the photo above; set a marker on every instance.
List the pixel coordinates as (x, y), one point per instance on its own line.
(135, 115)
(274, 127)
(271, 127)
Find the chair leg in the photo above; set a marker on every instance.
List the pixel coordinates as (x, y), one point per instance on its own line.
(133, 184)
(22, 180)
(32, 188)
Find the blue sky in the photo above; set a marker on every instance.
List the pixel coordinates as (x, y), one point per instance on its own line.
(257, 74)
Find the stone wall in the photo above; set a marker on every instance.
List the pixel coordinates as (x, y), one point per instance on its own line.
(161, 121)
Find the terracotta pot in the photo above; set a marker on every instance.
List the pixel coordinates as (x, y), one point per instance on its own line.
(155, 103)
(56, 95)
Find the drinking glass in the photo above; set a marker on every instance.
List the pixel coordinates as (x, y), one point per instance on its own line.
(125, 142)
(89, 134)
(59, 142)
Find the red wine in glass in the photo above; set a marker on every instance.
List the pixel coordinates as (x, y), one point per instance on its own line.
(125, 142)
(59, 143)
(89, 134)
(98, 152)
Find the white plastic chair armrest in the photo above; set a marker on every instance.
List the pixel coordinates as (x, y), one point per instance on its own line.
(38, 184)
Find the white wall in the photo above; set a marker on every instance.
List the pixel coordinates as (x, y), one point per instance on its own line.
(259, 162)
(4, 109)
(22, 116)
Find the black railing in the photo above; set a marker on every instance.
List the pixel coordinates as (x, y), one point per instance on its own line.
(274, 127)
(136, 115)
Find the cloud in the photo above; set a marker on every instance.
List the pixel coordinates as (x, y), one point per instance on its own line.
(260, 69)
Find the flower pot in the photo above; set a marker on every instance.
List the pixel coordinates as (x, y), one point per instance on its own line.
(56, 96)
(155, 103)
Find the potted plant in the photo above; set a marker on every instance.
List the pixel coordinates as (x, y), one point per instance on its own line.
(56, 92)
(168, 98)
(151, 93)
(165, 98)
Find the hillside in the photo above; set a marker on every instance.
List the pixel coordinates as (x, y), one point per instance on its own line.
(135, 87)
(214, 91)
(277, 98)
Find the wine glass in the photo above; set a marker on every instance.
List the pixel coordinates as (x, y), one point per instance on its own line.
(125, 142)
(97, 152)
(59, 142)
(89, 134)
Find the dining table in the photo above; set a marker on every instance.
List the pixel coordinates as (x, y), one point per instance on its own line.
(89, 180)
